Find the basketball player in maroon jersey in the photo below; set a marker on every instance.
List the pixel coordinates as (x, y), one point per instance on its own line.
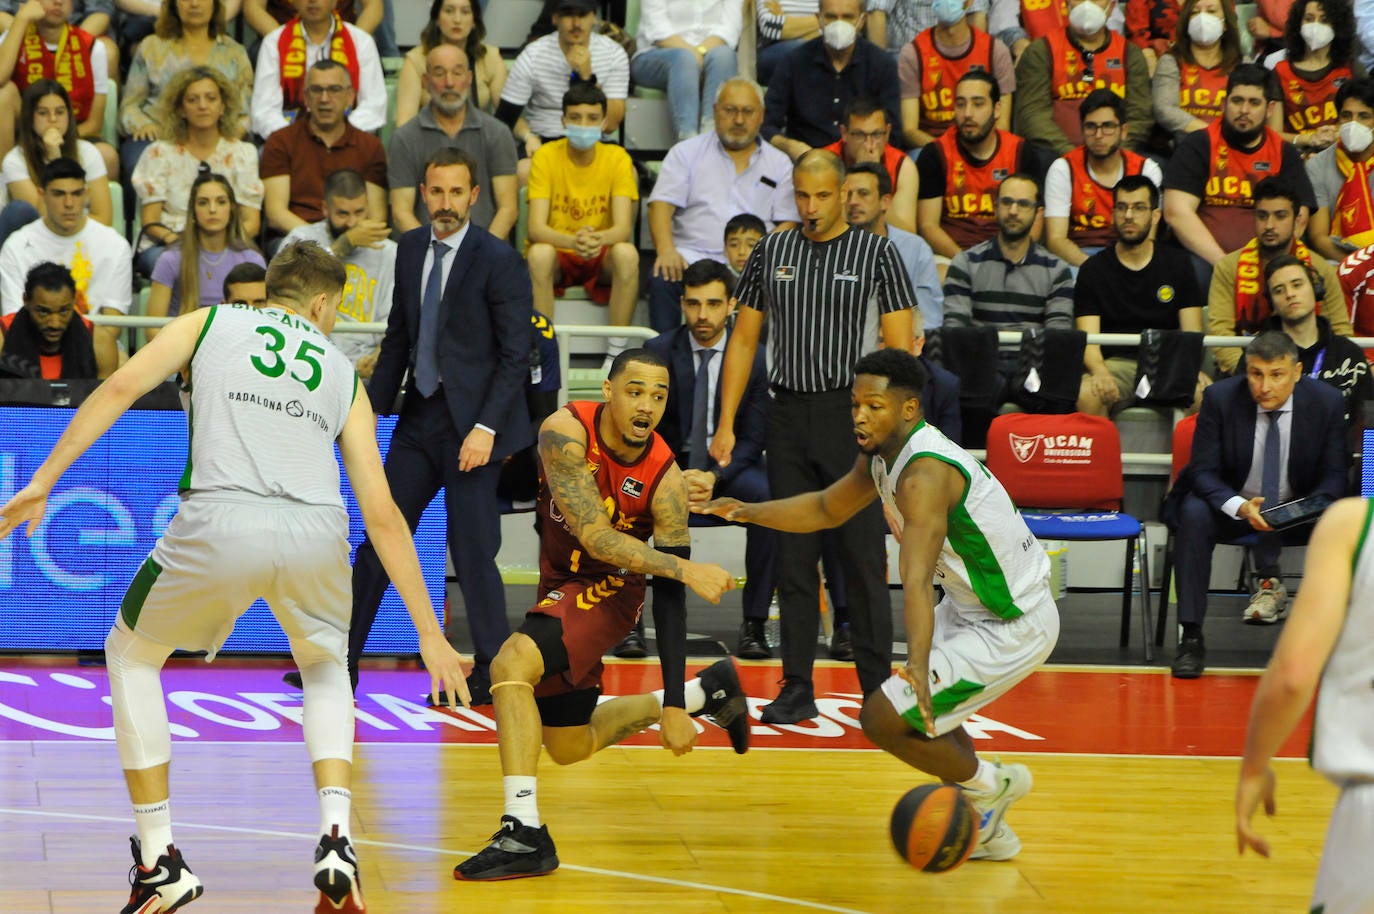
(607, 483)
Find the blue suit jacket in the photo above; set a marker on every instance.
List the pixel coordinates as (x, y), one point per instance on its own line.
(1224, 443)
(676, 346)
(484, 336)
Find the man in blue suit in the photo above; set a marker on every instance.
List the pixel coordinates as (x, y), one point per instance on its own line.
(464, 335)
(707, 303)
(1261, 439)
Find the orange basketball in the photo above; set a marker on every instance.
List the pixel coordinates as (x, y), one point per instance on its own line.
(934, 827)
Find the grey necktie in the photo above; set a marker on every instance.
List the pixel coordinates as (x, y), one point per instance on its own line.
(427, 344)
(699, 458)
(1269, 473)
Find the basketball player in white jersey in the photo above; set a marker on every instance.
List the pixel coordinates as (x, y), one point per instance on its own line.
(1327, 646)
(260, 516)
(957, 527)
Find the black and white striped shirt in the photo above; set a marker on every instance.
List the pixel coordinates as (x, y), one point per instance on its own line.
(824, 301)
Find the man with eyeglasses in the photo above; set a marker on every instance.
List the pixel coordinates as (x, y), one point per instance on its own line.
(1059, 70)
(866, 136)
(1078, 186)
(1129, 287)
(297, 159)
(704, 183)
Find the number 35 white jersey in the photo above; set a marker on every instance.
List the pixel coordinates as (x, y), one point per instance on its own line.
(269, 395)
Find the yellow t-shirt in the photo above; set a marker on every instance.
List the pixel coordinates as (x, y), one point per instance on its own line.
(581, 195)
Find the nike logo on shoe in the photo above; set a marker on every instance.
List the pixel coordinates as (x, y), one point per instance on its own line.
(154, 877)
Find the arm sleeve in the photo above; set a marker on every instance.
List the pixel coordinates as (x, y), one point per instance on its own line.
(930, 168)
(1138, 113)
(958, 293)
(370, 111)
(909, 71)
(135, 94)
(670, 624)
(1187, 170)
(1059, 303)
(1164, 91)
(777, 101)
(731, 27)
(1058, 190)
(1294, 170)
(750, 290)
(770, 25)
(1221, 310)
(511, 302)
(1086, 301)
(674, 181)
(267, 96)
(1033, 111)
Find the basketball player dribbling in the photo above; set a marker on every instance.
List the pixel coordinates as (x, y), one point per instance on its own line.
(956, 526)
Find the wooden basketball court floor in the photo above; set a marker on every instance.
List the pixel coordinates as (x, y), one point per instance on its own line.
(1131, 810)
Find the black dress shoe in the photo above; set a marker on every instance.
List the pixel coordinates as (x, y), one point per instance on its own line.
(840, 648)
(1190, 659)
(632, 647)
(795, 703)
(753, 642)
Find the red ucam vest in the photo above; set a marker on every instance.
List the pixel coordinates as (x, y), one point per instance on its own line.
(1309, 103)
(1090, 203)
(1067, 82)
(892, 158)
(1231, 177)
(1044, 17)
(70, 65)
(940, 74)
(970, 186)
(1202, 91)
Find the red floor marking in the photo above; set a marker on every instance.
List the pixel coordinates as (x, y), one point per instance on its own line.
(1068, 711)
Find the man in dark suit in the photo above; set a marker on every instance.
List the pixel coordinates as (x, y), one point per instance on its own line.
(464, 335)
(707, 303)
(1265, 438)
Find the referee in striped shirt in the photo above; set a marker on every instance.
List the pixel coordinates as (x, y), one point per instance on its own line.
(829, 291)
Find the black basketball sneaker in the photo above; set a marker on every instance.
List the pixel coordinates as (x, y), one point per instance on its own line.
(168, 886)
(336, 876)
(726, 705)
(515, 851)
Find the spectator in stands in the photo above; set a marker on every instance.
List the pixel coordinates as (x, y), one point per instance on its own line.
(46, 132)
(455, 22)
(1189, 85)
(1236, 303)
(868, 198)
(1356, 272)
(200, 122)
(47, 338)
(1320, 39)
(246, 284)
(704, 182)
(40, 45)
(1057, 71)
(894, 24)
(1078, 186)
(783, 26)
(452, 119)
(264, 16)
(742, 234)
(1011, 283)
(98, 256)
(316, 32)
(696, 346)
(1341, 177)
(932, 63)
(1208, 182)
(960, 171)
(299, 158)
(689, 50)
(364, 245)
(865, 136)
(1131, 286)
(1152, 26)
(1230, 479)
(575, 53)
(582, 198)
(806, 99)
(192, 273)
(188, 34)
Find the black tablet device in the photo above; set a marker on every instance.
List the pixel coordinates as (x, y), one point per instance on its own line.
(1298, 511)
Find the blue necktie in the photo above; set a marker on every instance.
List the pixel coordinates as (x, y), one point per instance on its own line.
(1269, 475)
(427, 345)
(698, 457)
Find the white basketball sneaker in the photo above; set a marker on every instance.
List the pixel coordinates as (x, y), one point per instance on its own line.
(996, 840)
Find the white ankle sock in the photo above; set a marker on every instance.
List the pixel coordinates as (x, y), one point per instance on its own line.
(522, 800)
(154, 830)
(692, 691)
(984, 780)
(336, 804)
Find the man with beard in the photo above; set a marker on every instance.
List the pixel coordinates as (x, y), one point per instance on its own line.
(960, 171)
(1132, 286)
(297, 159)
(868, 201)
(704, 183)
(865, 137)
(1236, 303)
(1210, 179)
(1078, 186)
(47, 338)
(369, 256)
(452, 119)
(997, 620)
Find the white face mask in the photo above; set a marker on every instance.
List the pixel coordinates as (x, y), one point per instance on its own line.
(1317, 35)
(1205, 28)
(1356, 137)
(839, 35)
(1087, 18)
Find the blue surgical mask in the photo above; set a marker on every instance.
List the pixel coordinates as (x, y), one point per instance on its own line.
(948, 12)
(583, 138)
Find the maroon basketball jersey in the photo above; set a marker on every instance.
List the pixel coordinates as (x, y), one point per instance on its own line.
(627, 491)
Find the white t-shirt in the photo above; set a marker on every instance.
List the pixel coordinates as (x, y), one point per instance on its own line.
(369, 109)
(1059, 185)
(539, 77)
(14, 168)
(98, 256)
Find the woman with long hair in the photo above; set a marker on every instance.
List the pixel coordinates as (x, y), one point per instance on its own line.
(200, 120)
(212, 244)
(1189, 86)
(1319, 42)
(457, 22)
